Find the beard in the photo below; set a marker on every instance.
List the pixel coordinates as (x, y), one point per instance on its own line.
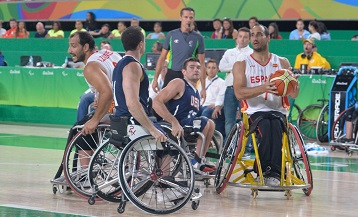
(80, 57)
(261, 48)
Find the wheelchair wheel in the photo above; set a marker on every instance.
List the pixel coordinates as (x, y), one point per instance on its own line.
(338, 127)
(103, 169)
(322, 125)
(307, 121)
(294, 113)
(228, 157)
(301, 164)
(81, 148)
(144, 163)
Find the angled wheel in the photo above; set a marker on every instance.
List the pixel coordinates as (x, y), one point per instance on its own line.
(103, 172)
(322, 125)
(144, 163)
(77, 158)
(228, 157)
(294, 113)
(301, 164)
(307, 121)
(338, 128)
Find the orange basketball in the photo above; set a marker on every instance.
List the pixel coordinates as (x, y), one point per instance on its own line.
(284, 81)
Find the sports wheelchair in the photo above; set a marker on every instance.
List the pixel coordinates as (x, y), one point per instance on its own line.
(156, 177)
(236, 171)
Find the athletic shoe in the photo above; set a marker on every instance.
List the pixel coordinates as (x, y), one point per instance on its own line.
(348, 141)
(272, 181)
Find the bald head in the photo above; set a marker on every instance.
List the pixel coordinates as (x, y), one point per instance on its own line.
(40, 27)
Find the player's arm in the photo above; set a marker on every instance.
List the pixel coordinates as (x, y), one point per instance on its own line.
(159, 67)
(286, 65)
(240, 85)
(201, 58)
(96, 76)
(173, 90)
(132, 75)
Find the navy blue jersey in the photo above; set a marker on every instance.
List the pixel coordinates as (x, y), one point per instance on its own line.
(187, 106)
(118, 94)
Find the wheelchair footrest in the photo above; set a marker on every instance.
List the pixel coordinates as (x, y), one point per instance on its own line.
(269, 188)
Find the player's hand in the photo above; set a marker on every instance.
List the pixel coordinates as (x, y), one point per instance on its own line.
(158, 135)
(89, 127)
(203, 95)
(177, 130)
(155, 86)
(270, 87)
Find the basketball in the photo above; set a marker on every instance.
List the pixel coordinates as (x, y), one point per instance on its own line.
(284, 81)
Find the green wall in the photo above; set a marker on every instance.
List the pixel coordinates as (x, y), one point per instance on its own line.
(55, 50)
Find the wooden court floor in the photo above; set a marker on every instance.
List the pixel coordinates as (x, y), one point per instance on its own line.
(30, 156)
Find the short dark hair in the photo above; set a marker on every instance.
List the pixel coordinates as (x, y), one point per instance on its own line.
(186, 9)
(212, 61)
(217, 19)
(105, 42)
(12, 19)
(315, 25)
(131, 37)
(254, 18)
(244, 29)
(190, 59)
(85, 38)
(266, 31)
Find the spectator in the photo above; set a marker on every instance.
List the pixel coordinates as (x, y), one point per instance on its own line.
(274, 32)
(322, 29)
(180, 50)
(106, 45)
(78, 27)
(11, 32)
(41, 32)
(90, 23)
(157, 47)
(326, 65)
(313, 28)
(231, 104)
(21, 31)
(135, 23)
(309, 57)
(121, 26)
(228, 29)
(217, 25)
(300, 33)
(2, 59)
(253, 21)
(2, 30)
(215, 91)
(157, 34)
(56, 31)
(104, 32)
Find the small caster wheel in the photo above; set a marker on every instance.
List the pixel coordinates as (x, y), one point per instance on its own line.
(91, 200)
(288, 194)
(350, 153)
(61, 188)
(206, 182)
(121, 207)
(54, 189)
(254, 193)
(195, 204)
(333, 148)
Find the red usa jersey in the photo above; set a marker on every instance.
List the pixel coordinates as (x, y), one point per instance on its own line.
(257, 74)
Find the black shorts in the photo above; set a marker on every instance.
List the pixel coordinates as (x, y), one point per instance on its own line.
(171, 74)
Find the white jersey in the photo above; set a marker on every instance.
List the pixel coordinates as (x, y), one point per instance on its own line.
(257, 74)
(108, 59)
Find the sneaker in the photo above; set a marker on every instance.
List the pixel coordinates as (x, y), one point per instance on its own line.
(272, 181)
(348, 141)
(203, 168)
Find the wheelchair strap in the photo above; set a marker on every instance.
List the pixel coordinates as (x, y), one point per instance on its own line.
(269, 116)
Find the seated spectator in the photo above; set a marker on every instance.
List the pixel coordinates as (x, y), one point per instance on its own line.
(2, 30)
(56, 31)
(21, 31)
(157, 34)
(215, 92)
(194, 27)
(121, 26)
(78, 27)
(355, 37)
(90, 23)
(41, 32)
(313, 28)
(11, 32)
(157, 47)
(274, 33)
(106, 45)
(309, 57)
(228, 29)
(322, 29)
(2, 59)
(253, 21)
(218, 26)
(104, 32)
(135, 23)
(300, 33)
